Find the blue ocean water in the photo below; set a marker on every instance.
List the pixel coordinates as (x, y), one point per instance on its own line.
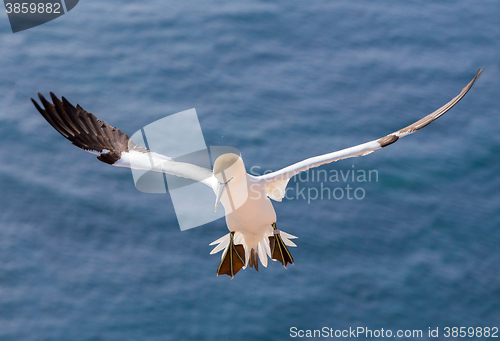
(85, 256)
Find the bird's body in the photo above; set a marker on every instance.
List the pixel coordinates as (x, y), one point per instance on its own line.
(249, 212)
(250, 216)
(254, 218)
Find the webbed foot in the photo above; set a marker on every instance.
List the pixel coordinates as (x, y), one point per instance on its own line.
(233, 259)
(279, 251)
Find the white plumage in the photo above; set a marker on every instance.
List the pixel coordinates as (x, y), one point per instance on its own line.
(250, 215)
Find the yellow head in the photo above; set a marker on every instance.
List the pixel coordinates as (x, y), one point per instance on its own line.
(229, 168)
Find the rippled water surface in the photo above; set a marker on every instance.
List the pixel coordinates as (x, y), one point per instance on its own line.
(85, 256)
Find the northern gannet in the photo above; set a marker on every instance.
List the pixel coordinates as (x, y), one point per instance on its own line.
(251, 219)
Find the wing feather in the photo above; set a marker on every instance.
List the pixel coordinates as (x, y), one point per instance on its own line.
(276, 182)
(110, 144)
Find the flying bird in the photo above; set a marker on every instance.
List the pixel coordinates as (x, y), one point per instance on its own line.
(251, 219)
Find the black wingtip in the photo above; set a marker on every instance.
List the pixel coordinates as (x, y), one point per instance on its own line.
(67, 104)
(37, 106)
(44, 101)
(40, 96)
(54, 97)
(478, 73)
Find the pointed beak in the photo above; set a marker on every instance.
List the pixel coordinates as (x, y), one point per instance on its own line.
(220, 190)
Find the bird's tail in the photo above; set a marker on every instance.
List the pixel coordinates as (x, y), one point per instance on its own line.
(235, 242)
(237, 254)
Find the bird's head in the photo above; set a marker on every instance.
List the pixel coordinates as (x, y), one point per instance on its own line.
(228, 168)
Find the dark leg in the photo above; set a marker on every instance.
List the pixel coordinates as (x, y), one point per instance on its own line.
(233, 260)
(279, 251)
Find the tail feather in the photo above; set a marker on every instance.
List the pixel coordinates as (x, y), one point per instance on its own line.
(237, 254)
(253, 261)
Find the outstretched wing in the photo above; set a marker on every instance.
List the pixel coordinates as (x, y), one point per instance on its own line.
(276, 182)
(111, 145)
